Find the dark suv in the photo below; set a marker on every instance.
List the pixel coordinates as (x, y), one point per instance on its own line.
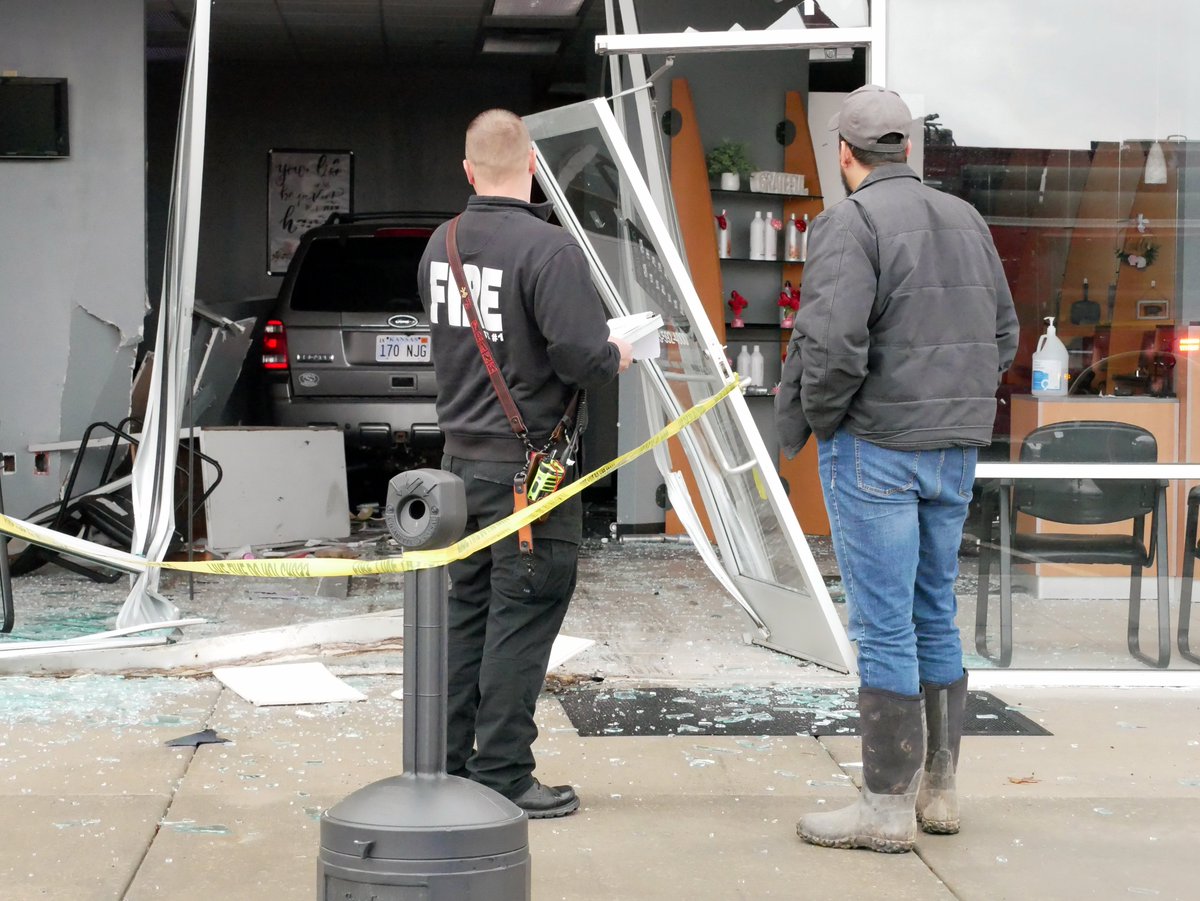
(348, 343)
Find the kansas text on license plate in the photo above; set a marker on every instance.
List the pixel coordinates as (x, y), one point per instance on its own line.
(402, 349)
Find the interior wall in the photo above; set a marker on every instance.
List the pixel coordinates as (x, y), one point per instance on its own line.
(739, 96)
(405, 129)
(1187, 156)
(72, 236)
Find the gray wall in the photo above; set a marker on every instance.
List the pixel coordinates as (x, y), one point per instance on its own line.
(739, 96)
(405, 129)
(72, 235)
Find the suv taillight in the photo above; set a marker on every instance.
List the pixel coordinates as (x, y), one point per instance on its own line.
(275, 354)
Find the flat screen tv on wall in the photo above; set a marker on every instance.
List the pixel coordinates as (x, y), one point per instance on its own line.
(33, 118)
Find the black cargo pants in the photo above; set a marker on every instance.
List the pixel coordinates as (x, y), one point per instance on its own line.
(505, 611)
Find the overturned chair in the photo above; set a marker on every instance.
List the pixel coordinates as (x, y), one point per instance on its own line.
(105, 510)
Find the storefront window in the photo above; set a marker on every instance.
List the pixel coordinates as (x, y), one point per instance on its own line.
(1067, 126)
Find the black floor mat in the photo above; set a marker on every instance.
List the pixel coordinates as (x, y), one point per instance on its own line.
(754, 711)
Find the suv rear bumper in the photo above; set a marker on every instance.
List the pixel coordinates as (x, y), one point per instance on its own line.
(365, 423)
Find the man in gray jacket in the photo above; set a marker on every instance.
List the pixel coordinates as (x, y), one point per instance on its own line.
(906, 325)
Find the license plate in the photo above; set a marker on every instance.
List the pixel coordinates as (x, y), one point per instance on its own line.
(403, 349)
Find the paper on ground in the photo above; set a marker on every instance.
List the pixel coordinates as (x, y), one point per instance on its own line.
(640, 330)
(566, 647)
(286, 683)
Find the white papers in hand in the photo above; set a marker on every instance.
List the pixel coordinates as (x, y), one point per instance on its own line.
(641, 331)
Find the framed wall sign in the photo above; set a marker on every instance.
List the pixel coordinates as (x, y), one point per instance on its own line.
(304, 187)
(1153, 309)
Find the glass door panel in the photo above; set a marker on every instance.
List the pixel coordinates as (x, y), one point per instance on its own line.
(588, 172)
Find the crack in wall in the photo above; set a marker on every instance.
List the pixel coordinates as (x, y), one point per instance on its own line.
(124, 339)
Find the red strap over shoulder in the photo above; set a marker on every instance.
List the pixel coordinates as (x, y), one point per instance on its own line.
(485, 350)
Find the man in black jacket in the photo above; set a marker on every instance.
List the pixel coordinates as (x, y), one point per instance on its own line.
(546, 329)
(907, 324)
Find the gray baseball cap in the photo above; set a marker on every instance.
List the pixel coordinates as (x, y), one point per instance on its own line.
(868, 114)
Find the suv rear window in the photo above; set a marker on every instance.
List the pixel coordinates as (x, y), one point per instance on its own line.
(360, 274)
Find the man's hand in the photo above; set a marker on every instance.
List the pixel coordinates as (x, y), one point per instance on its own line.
(626, 350)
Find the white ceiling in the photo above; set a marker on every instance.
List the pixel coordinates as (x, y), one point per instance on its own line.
(368, 32)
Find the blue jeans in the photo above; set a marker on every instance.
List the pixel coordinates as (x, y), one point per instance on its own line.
(897, 519)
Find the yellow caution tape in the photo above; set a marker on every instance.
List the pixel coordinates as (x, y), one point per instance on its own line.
(317, 567)
(758, 483)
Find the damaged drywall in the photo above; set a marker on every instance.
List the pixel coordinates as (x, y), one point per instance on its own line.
(99, 374)
(72, 237)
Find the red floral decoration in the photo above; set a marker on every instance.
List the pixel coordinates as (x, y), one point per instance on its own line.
(737, 303)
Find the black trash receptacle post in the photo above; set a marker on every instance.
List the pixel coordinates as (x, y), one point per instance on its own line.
(424, 834)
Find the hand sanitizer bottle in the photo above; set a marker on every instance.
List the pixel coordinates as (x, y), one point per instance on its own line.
(1050, 361)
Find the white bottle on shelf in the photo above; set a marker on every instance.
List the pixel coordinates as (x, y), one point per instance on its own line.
(757, 242)
(791, 251)
(756, 368)
(743, 366)
(723, 236)
(770, 238)
(803, 249)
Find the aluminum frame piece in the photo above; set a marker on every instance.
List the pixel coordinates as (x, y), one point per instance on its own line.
(154, 468)
(872, 36)
(587, 170)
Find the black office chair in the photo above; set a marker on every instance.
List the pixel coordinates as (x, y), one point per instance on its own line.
(1081, 502)
(6, 597)
(1190, 551)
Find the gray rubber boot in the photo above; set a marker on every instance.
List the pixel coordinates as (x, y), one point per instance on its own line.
(937, 802)
(893, 749)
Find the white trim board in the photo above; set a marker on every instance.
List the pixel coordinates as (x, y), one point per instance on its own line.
(988, 679)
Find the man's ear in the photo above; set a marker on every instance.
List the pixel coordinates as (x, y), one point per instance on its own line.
(470, 171)
(532, 161)
(845, 157)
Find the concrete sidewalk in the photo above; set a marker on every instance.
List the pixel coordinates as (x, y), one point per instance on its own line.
(1108, 806)
(97, 808)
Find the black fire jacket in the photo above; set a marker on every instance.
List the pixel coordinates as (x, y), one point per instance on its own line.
(536, 302)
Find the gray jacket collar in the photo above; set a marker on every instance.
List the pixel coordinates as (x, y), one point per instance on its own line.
(887, 170)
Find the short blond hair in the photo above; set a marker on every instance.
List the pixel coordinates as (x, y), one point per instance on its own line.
(498, 144)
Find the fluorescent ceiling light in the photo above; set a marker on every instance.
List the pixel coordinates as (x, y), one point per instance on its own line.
(711, 41)
(532, 46)
(536, 7)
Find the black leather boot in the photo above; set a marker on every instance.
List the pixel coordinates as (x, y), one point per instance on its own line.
(893, 749)
(543, 801)
(937, 802)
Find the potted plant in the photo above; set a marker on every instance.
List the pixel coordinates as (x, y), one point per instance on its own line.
(730, 162)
